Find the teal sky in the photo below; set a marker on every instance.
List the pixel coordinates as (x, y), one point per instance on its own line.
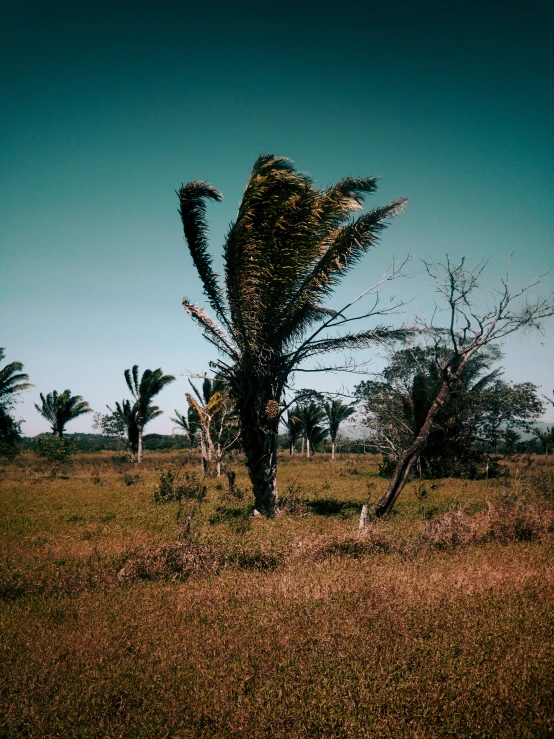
(107, 109)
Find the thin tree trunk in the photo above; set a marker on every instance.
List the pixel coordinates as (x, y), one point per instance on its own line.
(307, 448)
(139, 450)
(411, 454)
(332, 448)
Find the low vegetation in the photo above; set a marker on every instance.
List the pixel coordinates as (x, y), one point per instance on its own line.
(155, 604)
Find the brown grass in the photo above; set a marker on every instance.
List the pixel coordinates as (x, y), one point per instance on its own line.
(435, 623)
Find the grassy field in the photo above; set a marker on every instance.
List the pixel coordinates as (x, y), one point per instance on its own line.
(435, 623)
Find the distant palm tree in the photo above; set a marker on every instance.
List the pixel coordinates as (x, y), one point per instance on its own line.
(336, 412)
(294, 429)
(190, 425)
(124, 423)
(310, 416)
(60, 409)
(289, 247)
(142, 411)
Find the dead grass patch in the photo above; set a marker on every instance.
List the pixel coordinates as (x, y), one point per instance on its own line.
(504, 522)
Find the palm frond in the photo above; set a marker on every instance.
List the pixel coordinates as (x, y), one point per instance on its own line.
(192, 200)
(12, 380)
(132, 380)
(212, 330)
(180, 421)
(379, 336)
(349, 244)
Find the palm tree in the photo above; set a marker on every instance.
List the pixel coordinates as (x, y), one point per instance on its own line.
(309, 415)
(12, 380)
(60, 409)
(336, 412)
(189, 424)
(151, 383)
(294, 429)
(287, 250)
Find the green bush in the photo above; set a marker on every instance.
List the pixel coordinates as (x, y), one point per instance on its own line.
(57, 450)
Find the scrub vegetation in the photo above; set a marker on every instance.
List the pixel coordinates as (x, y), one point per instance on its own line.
(123, 616)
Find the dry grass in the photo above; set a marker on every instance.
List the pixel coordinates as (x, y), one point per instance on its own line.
(435, 623)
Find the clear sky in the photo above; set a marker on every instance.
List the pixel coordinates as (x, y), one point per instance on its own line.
(107, 108)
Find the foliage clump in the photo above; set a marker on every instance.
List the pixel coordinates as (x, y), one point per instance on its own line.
(12, 381)
(57, 450)
(471, 425)
(172, 488)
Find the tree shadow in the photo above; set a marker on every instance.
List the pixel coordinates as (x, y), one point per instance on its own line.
(230, 514)
(333, 507)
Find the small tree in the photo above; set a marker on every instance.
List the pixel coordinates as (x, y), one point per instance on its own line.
(546, 438)
(142, 411)
(294, 429)
(189, 424)
(468, 332)
(55, 449)
(121, 423)
(60, 409)
(472, 422)
(336, 412)
(310, 415)
(10, 435)
(216, 420)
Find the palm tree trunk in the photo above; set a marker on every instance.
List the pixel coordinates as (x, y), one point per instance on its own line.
(259, 436)
(411, 454)
(139, 449)
(332, 448)
(307, 447)
(263, 475)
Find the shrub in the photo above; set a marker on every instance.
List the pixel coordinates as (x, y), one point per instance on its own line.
(172, 488)
(129, 479)
(57, 450)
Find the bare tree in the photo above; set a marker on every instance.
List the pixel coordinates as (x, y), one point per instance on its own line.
(469, 330)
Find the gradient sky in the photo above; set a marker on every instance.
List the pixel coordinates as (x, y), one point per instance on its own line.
(107, 108)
